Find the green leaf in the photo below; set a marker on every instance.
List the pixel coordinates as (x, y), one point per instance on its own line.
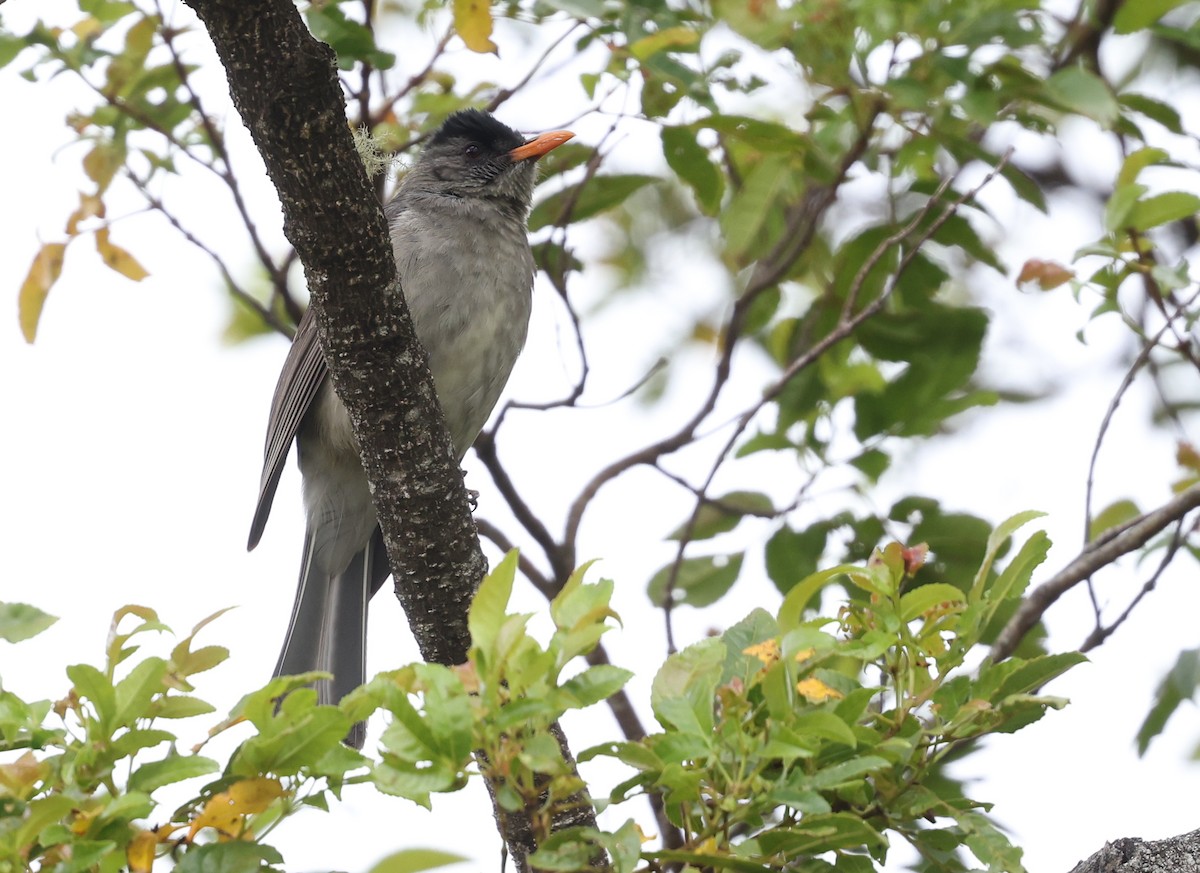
(154, 775)
(702, 861)
(135, 691)
(989, 844)
(237, 856)
(941, 346)
(698, 582)
(133, 741)
(786, 744)
(1155, 110)
(595, 684)
(93, 685)
(586, 199)
(1141, 14)
(920, 600)
(1012, 582)
(1177, 686)
(189, 663)
(635, 755)
(181, 706)
(872, 463)
(1027, 676)
(848, 771)
(40, 813)
(998, 537)
(1120, 204)
(10, 47)
(815, 834)
(798, 598)
(683, 690)
(1082, 91)
(490, 604)
(821, 723)
(20, 621)
(298, 736)
(351, 40)
(1138, 161)
(792, 555)
(723, 513)
(1163, 209)
(415, 860)
(691, 162)
(107, 11)
(743, 218)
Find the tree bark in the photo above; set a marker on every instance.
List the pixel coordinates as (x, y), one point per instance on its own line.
(284, 86)
(1131, 855)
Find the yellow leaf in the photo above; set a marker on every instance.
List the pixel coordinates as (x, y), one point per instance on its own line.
(18, 777)
(141, 850)
(119, 259)
(87, 28)
(473, 21)
(767, 651)
(43, 273)
(89, 205)
(226, 812)
(220, 815)
(82, 819)
(102, 163)
(668, 38)
(816, 691)
(255, 795)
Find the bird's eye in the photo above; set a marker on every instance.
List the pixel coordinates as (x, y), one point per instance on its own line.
(471, 150)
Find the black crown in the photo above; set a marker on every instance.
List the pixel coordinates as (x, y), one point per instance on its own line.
(478, 127)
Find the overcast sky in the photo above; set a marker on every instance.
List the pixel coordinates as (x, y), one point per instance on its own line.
(133, 443)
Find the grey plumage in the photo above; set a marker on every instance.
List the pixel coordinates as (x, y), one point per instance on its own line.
(458, 234)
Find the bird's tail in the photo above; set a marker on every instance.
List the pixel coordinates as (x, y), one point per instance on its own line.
(328, 630)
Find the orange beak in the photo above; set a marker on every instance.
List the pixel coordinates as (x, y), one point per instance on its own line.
(539, 145)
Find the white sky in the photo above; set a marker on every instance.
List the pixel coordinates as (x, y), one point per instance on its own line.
(133, 449)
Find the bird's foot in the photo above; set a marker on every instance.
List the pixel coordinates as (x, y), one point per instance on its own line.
(472, 494)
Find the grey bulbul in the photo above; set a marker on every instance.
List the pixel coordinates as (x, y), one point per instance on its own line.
(458, 232)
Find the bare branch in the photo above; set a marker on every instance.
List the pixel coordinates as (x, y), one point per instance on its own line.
(245, 298)
(1095, 556)
(1100, 633)
(801, 224)
(1140, 361)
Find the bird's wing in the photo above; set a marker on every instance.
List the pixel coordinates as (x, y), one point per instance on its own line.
(303, 372)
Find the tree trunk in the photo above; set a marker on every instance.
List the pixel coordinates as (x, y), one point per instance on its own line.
(284, 85)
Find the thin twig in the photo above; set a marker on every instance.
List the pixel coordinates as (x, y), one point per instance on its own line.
(1100, 633)
(225, 173)
(1093, 557)
(802, 222)
(1140, 361)
(265, 313)
(485, 449)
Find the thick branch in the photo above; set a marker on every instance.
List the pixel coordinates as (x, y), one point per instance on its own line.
(1132, 855)
(1097, 555)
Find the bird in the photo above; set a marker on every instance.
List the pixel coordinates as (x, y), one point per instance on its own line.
(458, 230)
